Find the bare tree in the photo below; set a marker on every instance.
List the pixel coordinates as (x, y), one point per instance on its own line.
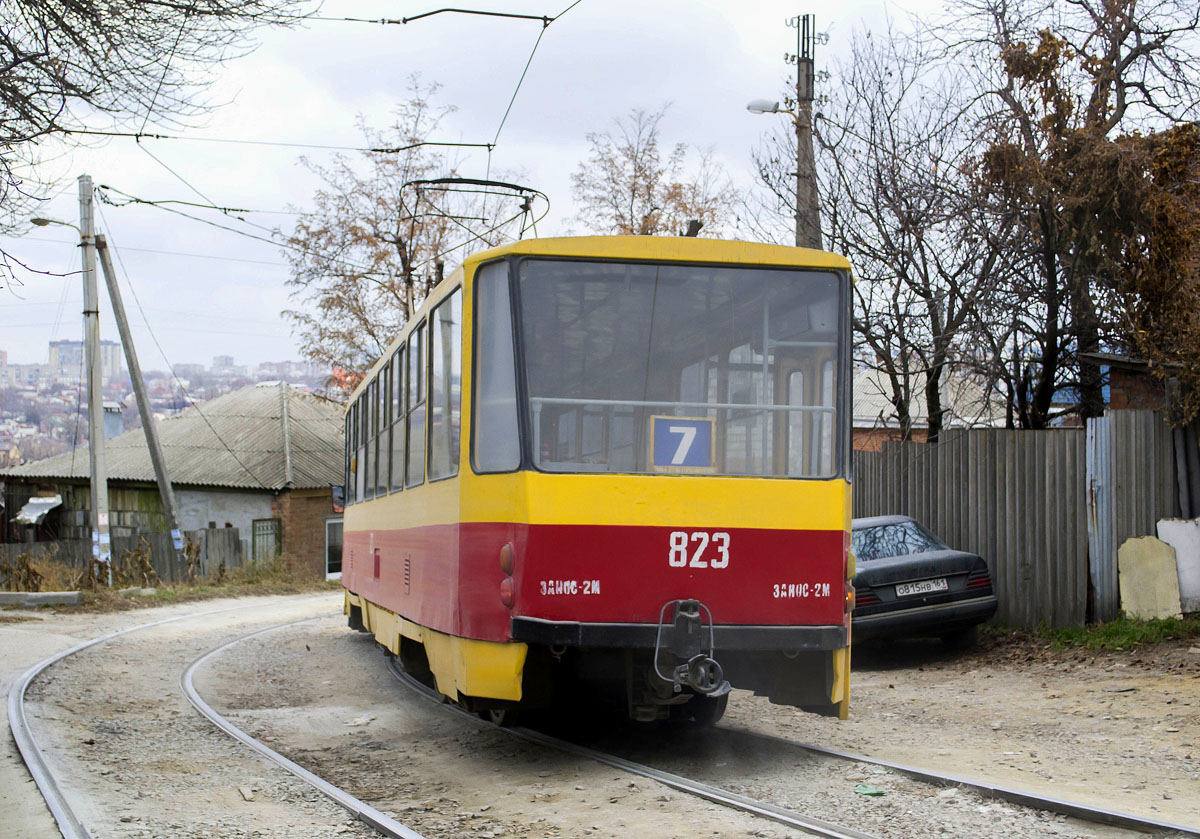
(372, 245)
(626, 187)
(88, 65)
(901, 201)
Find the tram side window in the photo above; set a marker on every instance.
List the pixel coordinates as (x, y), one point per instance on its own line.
(497, 435)
(372, 410)
(360, 479)
(397, 430)
(351, 451)
(445, 387)
(382, 448)
(415, 473)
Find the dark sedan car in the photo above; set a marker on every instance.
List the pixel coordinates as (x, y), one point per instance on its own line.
(910, 583)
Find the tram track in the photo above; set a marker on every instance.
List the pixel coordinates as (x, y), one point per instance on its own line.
(73, 827)
(726, 798)
(63, 804)
(1024, 798)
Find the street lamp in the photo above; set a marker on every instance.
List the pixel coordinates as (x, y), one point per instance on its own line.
(43, 222)
(754, 106)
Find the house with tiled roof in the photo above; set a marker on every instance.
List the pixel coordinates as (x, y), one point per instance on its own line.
(263, 459)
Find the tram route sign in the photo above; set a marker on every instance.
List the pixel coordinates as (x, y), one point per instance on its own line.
(681, 444)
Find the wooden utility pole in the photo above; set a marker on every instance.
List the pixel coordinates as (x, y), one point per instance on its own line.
(101, 541)
(139, 390)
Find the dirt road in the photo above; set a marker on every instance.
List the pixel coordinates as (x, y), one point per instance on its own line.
(1116, 730)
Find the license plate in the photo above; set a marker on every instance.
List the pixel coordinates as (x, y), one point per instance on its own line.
(921, 587)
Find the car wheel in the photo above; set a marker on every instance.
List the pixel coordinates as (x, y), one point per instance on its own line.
(963, 639)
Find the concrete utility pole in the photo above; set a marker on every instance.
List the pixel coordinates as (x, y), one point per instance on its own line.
(808, 220)
(139, 390)
(101, 541)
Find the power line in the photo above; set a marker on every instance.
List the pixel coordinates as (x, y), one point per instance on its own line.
(164, 253)
(141, 135)
(171, 367)
(385, 21)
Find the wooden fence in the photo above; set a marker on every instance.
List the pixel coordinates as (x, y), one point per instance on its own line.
(215, 545)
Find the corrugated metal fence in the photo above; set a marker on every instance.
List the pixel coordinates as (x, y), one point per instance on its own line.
(1131, 485)
(1028, 502)
(1015, 498)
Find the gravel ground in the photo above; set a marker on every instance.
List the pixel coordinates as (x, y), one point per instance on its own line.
(1114, 730)
(119, 730)
(138, 761)
(468, 778)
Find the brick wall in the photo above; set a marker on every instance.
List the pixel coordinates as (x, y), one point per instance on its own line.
(303, 513)
(872, 439)
(1136, 390)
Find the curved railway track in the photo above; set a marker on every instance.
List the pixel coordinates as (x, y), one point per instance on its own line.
(1012, 795)
(72, 826)
(763, 809)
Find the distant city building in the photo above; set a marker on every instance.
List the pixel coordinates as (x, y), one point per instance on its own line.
(189, 371)
(66, 360)
(220, 361)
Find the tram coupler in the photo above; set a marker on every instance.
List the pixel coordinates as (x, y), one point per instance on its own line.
(698, 669)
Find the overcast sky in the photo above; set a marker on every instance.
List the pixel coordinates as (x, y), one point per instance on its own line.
(209, 292)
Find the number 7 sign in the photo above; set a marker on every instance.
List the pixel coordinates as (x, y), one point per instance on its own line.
(681, 443)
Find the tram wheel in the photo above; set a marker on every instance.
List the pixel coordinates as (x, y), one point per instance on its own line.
(503, 717)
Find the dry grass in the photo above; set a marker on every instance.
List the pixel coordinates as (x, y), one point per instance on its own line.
(282, 575)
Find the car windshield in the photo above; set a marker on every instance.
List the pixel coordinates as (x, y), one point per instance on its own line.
(899, 539)
(727, 370)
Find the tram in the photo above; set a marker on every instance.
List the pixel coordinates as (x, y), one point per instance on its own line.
(612, 469)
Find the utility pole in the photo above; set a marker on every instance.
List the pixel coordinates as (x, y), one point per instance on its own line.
(139, 390)
(808, 220)
(101, 541)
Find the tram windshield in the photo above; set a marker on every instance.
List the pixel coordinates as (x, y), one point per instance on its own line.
(644, 368)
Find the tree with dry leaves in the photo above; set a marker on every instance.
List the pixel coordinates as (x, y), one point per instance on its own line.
(626, 186)
(1074, 101)
(373, 243)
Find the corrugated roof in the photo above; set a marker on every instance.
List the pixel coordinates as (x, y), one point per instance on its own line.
(249, 439)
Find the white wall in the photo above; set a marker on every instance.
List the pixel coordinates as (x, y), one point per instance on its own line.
(198, 507)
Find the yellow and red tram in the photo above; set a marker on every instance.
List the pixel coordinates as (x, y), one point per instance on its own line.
(612, 467)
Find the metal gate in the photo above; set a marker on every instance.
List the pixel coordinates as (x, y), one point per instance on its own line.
(266, 539)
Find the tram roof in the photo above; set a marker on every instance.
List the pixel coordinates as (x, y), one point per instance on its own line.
(648, 248)
(681, 248)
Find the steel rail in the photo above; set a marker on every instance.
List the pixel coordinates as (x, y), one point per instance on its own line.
(69, 824)
(723, 797)
(364, 812)
(1013, 795)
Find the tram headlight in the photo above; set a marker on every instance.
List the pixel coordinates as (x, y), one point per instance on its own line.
(507, 595)
(506, 558)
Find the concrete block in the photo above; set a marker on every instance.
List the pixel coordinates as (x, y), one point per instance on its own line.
(33, 599)
(1184, 536)
(1148, 579)
(53, 598)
